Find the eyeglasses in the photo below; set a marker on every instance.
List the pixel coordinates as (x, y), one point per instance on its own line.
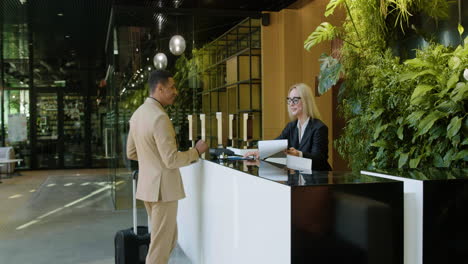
(292, 101)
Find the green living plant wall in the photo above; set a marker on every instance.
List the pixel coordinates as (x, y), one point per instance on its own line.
(398, 113)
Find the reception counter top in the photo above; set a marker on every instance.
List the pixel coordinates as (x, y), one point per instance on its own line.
(281, 174)
(259, 212)
(427, 174)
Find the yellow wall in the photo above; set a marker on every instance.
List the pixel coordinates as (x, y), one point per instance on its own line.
(286, 62)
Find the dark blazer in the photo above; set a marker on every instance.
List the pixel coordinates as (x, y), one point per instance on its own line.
(314, 143)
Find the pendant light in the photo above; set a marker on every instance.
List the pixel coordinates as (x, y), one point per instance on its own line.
(160, 61)
(177, 43)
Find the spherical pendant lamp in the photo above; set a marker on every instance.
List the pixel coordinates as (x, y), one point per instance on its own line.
(177, 45)
(160, 61)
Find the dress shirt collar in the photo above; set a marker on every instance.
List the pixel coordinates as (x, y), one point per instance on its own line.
(301, 128)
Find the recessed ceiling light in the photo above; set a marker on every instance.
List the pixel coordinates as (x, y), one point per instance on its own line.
(60, 14)
(67, 36)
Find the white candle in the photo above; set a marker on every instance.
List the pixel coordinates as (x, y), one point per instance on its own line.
(231, 118)
(219, 117)
(190, 127)
(246, 117)
(202, 119)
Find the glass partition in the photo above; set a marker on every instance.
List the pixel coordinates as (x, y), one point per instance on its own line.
(47, 130)
(15, 82)
(130, 51)
(16, 116)
(74, 131)
(99, 134)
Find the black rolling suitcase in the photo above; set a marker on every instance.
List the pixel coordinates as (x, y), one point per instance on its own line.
(131, 245)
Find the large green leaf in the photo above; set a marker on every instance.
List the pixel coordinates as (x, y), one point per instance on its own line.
(377, 113)
(452, 81)
(413, 163)
(324, 31)
(380, 143)
(330, 72)
(449, 156)
(406, 76)
(378, 130)
(455, 140)
(413, 75)
(414, 118)
(419, 92)
(403, 159)
(449, 107)
(465, 142)
(332, 6)
(429, 121)
(438, 161)
(454, 126)
(459, 93)
(400, 133)
(454, 62)
(461, 155)
(400, 120)
(436, 132)
(418, 63)
(380, 153)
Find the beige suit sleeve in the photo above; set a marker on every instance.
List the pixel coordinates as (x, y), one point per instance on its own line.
(164, 135)
(131, 148)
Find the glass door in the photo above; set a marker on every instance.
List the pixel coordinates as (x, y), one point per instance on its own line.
(74, 131)
(47, 130)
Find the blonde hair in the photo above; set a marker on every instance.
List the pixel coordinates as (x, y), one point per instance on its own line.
(308, 101)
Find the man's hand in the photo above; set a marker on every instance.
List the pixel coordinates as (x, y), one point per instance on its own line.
(252, 162)
(201, 146)
(253, 153)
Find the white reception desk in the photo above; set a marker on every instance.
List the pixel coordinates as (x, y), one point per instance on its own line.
(234, 213)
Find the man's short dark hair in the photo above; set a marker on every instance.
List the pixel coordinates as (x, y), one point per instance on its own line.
(158, 76)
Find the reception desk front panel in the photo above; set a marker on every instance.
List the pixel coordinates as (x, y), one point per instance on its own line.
(232, 217)
(242, 212)
(436, 210)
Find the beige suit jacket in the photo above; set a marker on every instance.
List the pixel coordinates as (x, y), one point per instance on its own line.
(152, 141)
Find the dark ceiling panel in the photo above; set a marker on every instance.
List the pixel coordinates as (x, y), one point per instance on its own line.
(69, 35)
(83, 23)
(66, 26)
(13, 12)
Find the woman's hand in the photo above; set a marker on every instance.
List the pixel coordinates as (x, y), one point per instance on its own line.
(292, 152)
(253, 153)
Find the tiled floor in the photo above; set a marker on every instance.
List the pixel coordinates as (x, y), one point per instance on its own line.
(63, 216)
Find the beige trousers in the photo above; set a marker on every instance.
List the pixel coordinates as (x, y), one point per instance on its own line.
(163, 217)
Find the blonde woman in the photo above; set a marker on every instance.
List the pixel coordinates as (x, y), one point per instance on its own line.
(307, 136)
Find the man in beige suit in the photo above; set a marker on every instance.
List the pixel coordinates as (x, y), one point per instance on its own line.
(152, 142)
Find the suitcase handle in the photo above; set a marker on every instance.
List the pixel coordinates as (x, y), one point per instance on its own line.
(134, 179)
(134, 209)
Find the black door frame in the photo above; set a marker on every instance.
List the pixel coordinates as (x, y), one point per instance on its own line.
(59, 141)
(61, 92)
